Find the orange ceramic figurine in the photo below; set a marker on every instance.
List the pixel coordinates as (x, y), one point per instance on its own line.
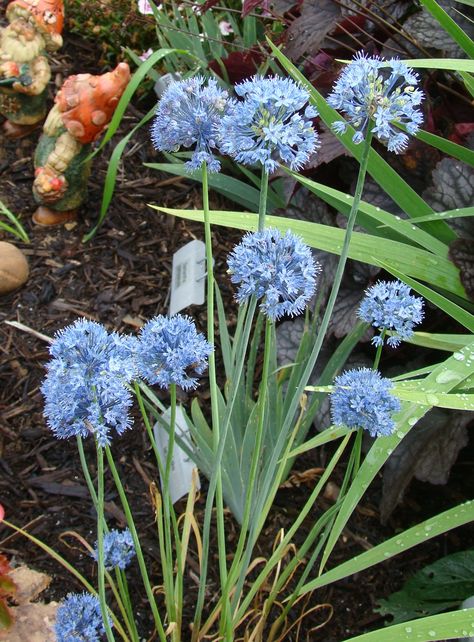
(83, 108)
(35, 28)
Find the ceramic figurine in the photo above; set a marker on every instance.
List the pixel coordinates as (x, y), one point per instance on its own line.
(83, 108)
(35, 28)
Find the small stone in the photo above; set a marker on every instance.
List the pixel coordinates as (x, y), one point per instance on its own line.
(331, 492)
(13, 268)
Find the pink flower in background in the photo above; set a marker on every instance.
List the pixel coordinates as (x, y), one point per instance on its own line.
(144, 7)
(225, 28)
(146, 54)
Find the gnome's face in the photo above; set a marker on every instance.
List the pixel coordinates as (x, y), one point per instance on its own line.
(21, 41)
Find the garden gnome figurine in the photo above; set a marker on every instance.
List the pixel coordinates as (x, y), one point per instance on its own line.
(83, 108)
(35, 28)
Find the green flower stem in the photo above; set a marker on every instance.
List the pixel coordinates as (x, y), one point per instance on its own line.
(167, 567)
(299, 391)
(337, 281)
(262, 206)
(100, 543)
(125, 607)
(125, 598)
(85, 471)
(253, 481)
(378, 354)
(167, 509)
(217, 467)
(221, 539)
(136, 542)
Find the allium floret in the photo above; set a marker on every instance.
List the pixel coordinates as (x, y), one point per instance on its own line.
(79, 619)
(388, 305)
(376, 93)
(281, 269)
(85, 386)
(187, 116)
(170, 349)
(119, 549)
(362, 399)
(270, 125)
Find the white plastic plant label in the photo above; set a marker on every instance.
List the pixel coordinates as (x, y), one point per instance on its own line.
(181, 465)
(164, 82)
(188, 277)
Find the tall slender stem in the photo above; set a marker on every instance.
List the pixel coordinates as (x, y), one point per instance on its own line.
(100, 543)
(216, 436)
(292, 408)
(136, 543)
(262, 206)
(253, 481)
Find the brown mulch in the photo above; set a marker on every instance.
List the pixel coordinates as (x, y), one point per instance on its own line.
(121, 279)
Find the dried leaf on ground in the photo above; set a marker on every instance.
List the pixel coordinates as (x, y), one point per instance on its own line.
(31, 622)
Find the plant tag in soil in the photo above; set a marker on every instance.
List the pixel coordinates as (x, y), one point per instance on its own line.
(188, 277)
(162, 84)
(181, 465)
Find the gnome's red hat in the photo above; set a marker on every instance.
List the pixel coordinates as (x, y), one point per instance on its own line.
(87, 103)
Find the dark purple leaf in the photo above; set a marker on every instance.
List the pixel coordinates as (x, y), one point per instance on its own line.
(306, 33)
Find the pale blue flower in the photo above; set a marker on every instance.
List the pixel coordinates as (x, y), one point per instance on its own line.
(187, 116)
(85, 387)
(270, 125)
(374, 94)
(119, 549)
(169, 350)
(79, 619)
(281, 269)
(362, 399)
(388, 305)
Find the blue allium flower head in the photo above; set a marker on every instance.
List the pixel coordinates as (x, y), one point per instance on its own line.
(85, 387)
(362, 399)
(187, 115)
(169, 349)
(388, 305)
(79, 619)
(119, 549)
(267, 127)
(371, 90)
(279, 268)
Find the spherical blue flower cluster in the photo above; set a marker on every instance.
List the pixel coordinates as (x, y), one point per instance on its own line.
(169, 349)
(267, 126)
(361, 399)
(85, 387)
(79, 619)
(388, 305)
(187, 115)
(279, 268)
(371, 90)
(119, 549)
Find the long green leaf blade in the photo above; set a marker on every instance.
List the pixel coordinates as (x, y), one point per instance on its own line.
(364, 247)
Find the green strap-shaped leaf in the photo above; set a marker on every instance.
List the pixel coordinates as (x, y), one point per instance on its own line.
(400, 543)
(447, 626)
(418, 263)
